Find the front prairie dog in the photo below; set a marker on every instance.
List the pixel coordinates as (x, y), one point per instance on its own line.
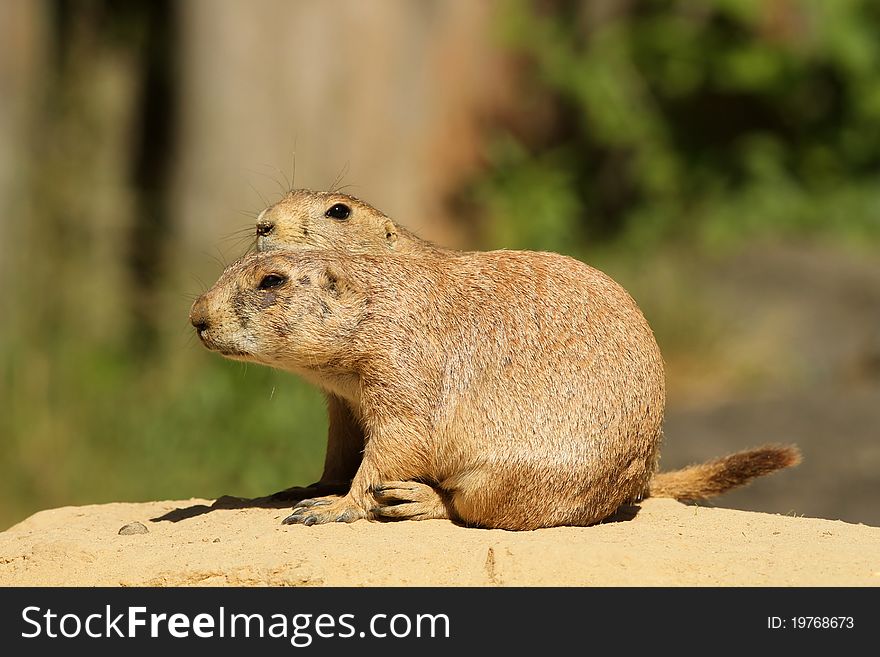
(503, 389)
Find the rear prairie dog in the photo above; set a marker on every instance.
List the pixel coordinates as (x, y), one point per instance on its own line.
(306, 219)
(505, 389)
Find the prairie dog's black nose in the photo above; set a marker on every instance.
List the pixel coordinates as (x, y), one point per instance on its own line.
(264, 228)
(198, 315)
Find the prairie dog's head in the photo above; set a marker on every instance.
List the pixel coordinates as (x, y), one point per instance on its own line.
(325, 220)
(287, 310)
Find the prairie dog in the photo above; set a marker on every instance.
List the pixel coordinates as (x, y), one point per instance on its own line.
(306, 219)
(504, 389)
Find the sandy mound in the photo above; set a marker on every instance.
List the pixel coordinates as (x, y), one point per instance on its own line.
(664, 543)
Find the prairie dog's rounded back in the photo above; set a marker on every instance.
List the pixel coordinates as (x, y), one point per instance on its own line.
(531, 375)
(508, 348)
(306, 219)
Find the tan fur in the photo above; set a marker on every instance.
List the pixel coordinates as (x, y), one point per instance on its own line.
(299, 221)
(699, 482)
(525, 386)
(502, 389)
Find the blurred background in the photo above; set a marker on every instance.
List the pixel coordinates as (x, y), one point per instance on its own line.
(721, 159)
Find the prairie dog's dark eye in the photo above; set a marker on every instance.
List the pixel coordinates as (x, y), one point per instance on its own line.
(271, 281)
(339, 211)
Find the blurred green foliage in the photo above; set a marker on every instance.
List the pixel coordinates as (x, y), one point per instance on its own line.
(106, 394)
(702, 122)
(88, 423)
(639, 124)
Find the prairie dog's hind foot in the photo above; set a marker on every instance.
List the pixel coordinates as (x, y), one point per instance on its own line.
(408, 500)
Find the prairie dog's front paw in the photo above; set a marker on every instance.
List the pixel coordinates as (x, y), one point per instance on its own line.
(321, 510)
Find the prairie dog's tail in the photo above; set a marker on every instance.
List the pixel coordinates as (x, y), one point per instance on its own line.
(697, 482)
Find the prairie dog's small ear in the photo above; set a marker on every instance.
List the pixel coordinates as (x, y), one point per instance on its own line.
(390, 234)
(333, 280)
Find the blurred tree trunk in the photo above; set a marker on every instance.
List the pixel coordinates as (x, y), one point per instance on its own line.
(388, 97)
(79, 184)
(21, 49)
(151, 169)
(95, 148)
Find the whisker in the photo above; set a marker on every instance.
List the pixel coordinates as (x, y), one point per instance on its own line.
(293, 170)
(339, 177)
(262, 198)
(221, 256)
(201, 283)
(232, 243)
(250, 240)
(246, 230)
(284, 190)
(217, 260)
